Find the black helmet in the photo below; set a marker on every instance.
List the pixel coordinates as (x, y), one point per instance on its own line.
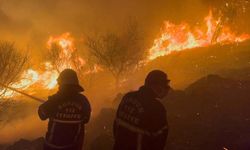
(69, 77)
(157, 77)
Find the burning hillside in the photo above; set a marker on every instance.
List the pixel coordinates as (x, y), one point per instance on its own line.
(63, 54)
(180, 37)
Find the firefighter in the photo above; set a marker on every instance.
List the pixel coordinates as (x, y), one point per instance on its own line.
(141, 122)
(68, 111)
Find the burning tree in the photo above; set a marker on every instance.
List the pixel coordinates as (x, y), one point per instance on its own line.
(54, 56)
(118, 53)
(12, 63)
(63, 54)
(61, 61)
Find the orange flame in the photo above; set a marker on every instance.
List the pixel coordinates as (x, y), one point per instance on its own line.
(180, 37)
(65, 41)
(47, 78)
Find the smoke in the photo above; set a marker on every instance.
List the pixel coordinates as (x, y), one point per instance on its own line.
(27, 128)
(19, 119)
(31, 22)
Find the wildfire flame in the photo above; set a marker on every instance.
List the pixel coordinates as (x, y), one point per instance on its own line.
(180, 37)
(67, 50)
(47, 78)
(172, 38)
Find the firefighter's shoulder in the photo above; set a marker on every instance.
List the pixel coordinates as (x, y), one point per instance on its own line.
(83, 98)
(53, 97)
(84, 101)
(51, 101)
(127, 97)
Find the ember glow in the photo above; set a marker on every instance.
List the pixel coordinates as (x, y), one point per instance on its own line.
(180, 37)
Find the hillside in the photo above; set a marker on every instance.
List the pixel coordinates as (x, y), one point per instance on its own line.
(187, 66)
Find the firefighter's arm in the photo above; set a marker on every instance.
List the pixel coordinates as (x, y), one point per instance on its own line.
(45, 110)
(161, 132)
(115, 124)
(161, 139)
(87, 111)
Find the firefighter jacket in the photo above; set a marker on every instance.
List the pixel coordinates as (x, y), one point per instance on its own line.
(67, 114)
(141, 122)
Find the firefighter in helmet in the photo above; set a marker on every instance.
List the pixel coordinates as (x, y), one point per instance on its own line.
(68, 111)
(141, 122)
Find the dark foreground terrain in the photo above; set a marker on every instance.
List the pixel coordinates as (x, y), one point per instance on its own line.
(211, 114)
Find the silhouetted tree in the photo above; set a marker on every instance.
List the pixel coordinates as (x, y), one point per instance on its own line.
(118, 53)
(12, 63)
